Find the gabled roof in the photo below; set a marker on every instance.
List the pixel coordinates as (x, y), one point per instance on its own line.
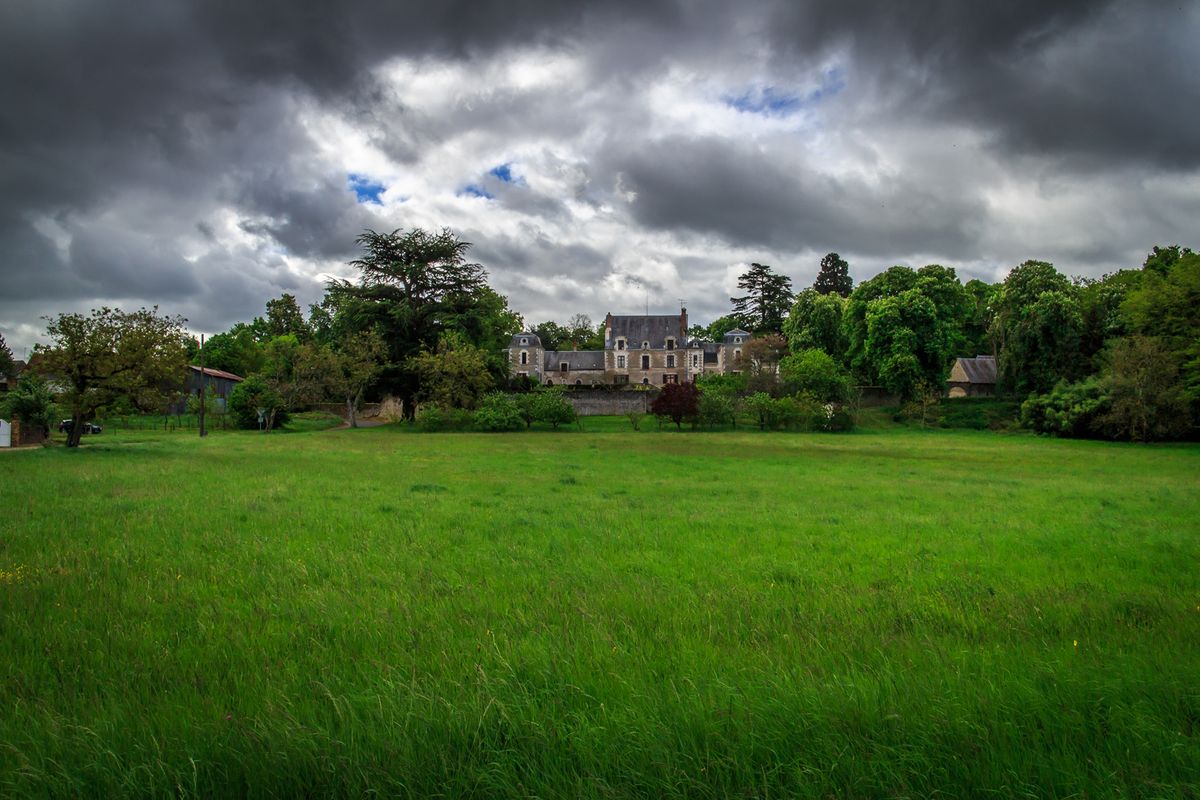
(655, 329)
(218, 373)
(576, 360)
(981, 369)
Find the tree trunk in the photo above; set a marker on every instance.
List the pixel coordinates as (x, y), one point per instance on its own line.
(350, 415)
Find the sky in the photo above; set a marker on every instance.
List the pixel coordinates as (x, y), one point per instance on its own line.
(205, 156)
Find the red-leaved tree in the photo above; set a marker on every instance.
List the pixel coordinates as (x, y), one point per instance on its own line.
(677, 402)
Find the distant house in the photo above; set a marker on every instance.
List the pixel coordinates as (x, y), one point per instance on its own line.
(972, 377)
(10, 381)
(218, 383)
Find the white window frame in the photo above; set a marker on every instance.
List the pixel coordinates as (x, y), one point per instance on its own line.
(671, 361)
(621, 343)
(621, 361)
(524, 357)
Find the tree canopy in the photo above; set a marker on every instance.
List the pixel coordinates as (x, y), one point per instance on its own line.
(768, 296)
(834, 276)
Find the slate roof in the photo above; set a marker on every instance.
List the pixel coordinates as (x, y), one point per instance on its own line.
(981, 369)
(736, 332)
(577, 360)
(533, 340)
(654, 329)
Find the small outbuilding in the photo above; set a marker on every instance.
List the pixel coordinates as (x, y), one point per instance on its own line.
(972, 377)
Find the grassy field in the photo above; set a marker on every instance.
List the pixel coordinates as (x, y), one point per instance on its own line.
(600, 613)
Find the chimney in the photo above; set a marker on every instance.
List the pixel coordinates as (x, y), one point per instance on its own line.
(683, 326)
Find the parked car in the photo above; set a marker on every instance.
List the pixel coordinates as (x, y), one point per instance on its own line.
(88, 427)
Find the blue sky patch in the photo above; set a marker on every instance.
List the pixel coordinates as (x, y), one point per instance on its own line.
(774, 101)
(504, 173)
(475, 190)
(366, 189)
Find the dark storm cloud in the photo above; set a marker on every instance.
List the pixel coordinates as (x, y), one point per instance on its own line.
(130, 130)
(749, 198)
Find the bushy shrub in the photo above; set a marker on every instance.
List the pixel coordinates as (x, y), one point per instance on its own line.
(498, 412)
(716, 408)
(551, 407)
(815, 373)
(676, 402)
(432, 418)
(761, 407)
(31, 402)
(1069, 409)
(250, 395)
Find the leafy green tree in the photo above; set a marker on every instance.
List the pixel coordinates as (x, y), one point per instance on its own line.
(284, 319)
(1146, 402)
(351, 366)
(761, 406)
(978, 324)
(717, 329)
(716, 408)
(551, 407)
(552, 335)
(1069, 409)
(249, 396)
(7, 362)
(1161, 259)
(834, 276)
(1037, 328)
(236, 350)
(97, 358)
(676, 402)
(414, 287)
(30, 401)
(296, 372)
(767, 299)
(454, 375)
(1101, 320)
(905, 327)
(760, 362)
(816, 321)
(814, 372)
(1167, 307)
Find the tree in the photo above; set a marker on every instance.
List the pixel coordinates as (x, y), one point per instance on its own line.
(454, 375)
(905, 327)
(109, 354)
(1145, 400)
(551, 407)
(249, 396)
(236, 350)
(7, 362)
(676, 402)
(351, 367)
(1167, 307)
(814, 372)
(498, 412)
(815, 321)
(296, 373)
(283, 319)
(1037, 328)
(414, 287)
(834, 276)
(1161, 259)
(766, 301)
(717, 329)
(552, 335)
(977, 327)
(760, 362)
(29, 401)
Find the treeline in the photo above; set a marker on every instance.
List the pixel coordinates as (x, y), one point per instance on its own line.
(1115, 357)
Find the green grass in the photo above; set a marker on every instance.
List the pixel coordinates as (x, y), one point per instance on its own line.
(889, 613)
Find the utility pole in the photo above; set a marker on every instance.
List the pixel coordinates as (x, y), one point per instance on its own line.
(203, 381)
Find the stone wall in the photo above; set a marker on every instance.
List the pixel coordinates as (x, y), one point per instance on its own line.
(592, 404)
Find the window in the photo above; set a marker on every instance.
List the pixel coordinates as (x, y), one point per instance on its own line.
(620, 344)
(620, 362)
(620, 380)
(645, 381)
(670, 361)
(670, 344)
(563, 366)
(523, 374)
(524, 358)
(645, 362)
(578, 382)
(695, 361)
(737, 354)
(524, 340)
(737, 340)
(670, 379)
(645, 345)
(549, 382)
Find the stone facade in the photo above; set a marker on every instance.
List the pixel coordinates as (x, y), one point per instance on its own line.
(651, 350)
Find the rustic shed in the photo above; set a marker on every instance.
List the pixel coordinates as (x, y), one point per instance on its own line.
(972, 377)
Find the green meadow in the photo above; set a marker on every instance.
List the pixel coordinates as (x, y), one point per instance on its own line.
(599, 613)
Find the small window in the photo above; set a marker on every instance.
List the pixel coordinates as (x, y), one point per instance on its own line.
(549, 382)
(578, 382)
(695, 361)
(524, 358)
(620, 344)
(645, 362)
(523, 374)
(670, 344)
(645, 345)
(670, 379)
(670, 362)
(737, 340)
(620, 362)
(645, 381)
(563, 366)
(737, 354)
(524, 340)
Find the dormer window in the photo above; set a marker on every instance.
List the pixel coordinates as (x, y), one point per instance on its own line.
(670, 344)
(563, 366)
(645, 345)
(620, 344)
(737, 340)
(524, 341)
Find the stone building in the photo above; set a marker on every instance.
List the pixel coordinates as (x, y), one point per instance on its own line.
(972, 377)
(647, 349)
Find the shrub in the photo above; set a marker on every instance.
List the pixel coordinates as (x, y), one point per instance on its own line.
(1069, 409)
(676, 402)
(249, 396)
(761, 407)
(498, 412)
(635, 419)
(550, 406)
(814, 372)
(31, 402)
(716, 408)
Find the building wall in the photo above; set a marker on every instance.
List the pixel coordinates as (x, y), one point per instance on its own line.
(534, 361)
(586, 377)
(591, 404)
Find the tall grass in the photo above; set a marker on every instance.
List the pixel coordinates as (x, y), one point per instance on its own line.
(893, 613)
